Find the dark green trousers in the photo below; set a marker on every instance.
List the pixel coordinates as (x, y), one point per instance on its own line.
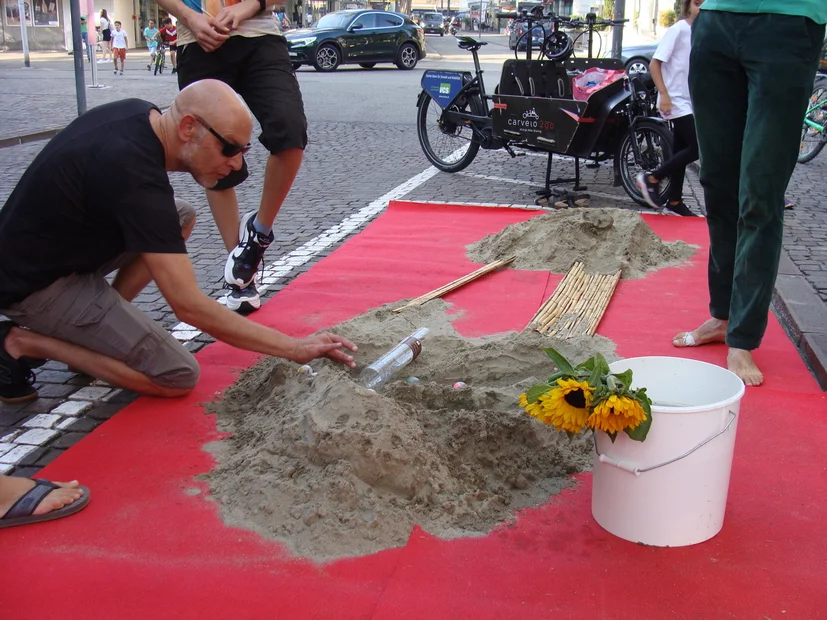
(750, 77)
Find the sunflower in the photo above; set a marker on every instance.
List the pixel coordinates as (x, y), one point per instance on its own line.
(535, 409)
(567, 407)
(617, 413)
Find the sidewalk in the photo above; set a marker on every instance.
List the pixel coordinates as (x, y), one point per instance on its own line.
(42, 98)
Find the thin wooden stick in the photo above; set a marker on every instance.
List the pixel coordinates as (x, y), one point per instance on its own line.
(447, 288)
(560, 294)
(596, 321)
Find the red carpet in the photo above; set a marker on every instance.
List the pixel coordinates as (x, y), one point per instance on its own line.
(149, 546)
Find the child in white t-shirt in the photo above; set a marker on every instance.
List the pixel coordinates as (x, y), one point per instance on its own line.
(670, 72)
(119, 45)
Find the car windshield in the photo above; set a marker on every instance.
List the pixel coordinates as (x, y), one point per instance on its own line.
(432, 17)
(333, 20)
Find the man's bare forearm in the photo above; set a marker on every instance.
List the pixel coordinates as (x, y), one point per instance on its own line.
(657, 76)
(227, 326)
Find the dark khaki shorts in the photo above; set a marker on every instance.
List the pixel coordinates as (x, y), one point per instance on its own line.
(85, 310)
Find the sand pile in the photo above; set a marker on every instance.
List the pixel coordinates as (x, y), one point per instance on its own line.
(605, 240)
(334, 470)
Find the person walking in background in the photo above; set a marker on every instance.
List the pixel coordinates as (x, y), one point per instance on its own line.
(151, 34)
(750, 75)
(670, 72)
(241, 44)
(106, 36)
(169, 34)
(119, 45)
(84, 36)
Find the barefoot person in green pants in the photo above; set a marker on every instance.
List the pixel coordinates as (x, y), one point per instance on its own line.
(751, 73)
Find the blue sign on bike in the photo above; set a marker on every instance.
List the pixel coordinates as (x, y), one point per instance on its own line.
(443, 86)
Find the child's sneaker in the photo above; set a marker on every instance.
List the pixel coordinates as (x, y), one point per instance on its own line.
(116, 72)
(650, 191)
(121, 71)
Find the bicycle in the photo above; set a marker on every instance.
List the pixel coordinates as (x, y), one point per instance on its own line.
(533, 108)
(813, 134)
(160, 60)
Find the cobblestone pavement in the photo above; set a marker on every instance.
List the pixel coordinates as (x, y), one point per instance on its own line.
(363, 151)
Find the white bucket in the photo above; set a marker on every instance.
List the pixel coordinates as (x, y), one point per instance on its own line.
(670, 490)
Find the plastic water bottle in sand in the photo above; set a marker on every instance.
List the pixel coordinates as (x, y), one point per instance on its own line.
(379, 373)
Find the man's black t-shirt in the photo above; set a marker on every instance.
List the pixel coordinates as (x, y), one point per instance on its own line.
(98, 189)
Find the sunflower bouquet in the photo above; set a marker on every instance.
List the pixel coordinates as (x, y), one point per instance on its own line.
(590, 396)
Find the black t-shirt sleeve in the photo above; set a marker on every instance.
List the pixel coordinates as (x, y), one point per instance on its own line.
(146, 213)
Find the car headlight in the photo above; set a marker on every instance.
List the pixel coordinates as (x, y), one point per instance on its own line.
(302, 42)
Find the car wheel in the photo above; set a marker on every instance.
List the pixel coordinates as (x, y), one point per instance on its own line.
(367, 65)
(637, 65)
(327, 58)
(442, 34)
(296, 66)
(407, 57)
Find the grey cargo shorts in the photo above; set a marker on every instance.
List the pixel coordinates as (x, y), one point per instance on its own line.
(85, 310)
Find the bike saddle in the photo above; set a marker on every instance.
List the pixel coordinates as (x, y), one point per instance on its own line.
(468, 43)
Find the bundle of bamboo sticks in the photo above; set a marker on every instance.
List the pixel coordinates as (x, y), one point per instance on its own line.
(443, 290)
(577, 304)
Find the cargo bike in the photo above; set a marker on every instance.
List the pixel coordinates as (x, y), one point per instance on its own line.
(533, 108)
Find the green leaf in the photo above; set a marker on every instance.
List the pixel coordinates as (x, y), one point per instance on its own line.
(563, 365)
(552, 380)
(536, 391)
(639, 433)
(601, 364)
(625, 378)
(570, 434)
(612, 436)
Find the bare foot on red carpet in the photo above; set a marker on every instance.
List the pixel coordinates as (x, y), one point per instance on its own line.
(713, 330)
(741, 363)
(12, 489)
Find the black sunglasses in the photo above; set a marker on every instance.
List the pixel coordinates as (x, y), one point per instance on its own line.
(228, 149)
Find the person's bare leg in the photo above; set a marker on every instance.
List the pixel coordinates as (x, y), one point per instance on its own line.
(24, 342)
(279, 175)
(224, 207)
(712, 330)
(740, 362)
(12, 489)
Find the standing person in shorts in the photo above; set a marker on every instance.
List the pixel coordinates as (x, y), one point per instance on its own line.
(670, 72)
(106, 36)
(151, 35)
(169, 34)
(241, 44)
(119, 45)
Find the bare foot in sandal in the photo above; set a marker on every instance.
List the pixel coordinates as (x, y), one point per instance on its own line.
(741, 363)
(713, 330)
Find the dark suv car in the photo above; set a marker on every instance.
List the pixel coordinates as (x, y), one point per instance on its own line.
(433, 23)
(363, 37)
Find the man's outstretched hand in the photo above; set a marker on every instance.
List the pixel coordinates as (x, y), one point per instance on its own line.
(326, 345)
(208, 32)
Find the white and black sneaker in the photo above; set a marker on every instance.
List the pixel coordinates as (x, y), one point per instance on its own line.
(650, 190)
(244, 300)
(244, 261)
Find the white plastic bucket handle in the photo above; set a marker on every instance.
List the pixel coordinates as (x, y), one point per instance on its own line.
(637, 470)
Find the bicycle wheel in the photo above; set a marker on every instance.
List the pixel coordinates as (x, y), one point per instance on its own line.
(812, 140)
(654, 143)
(448, 145)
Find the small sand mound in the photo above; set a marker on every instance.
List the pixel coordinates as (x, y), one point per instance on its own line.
(334, 470)
(605, 240)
